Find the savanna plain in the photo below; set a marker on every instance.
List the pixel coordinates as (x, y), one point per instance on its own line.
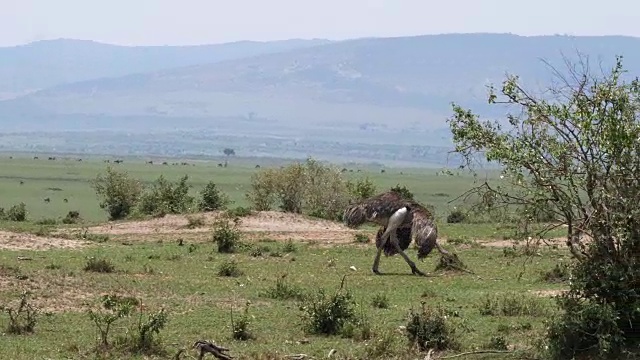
(264, 284)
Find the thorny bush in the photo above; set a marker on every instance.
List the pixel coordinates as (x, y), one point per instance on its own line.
(573, 154)
(310, 187)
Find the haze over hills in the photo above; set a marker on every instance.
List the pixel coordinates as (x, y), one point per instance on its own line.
(47, 63)
(351, 98)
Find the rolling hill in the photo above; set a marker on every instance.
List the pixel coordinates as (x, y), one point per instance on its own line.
(48, 63)
(394, 91)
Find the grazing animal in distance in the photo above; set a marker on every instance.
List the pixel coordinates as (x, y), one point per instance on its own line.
(402, 221)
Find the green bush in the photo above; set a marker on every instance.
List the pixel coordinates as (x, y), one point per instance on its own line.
(118, 193)
(429, 329)
(165, 197)
(229, 269)
(311, 187)
(17, 212)
(328, 314)
(226, 236)
(455, 217)
(211, 198)
(72, 217)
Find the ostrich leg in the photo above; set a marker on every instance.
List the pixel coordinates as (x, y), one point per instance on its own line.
(414, 268)
(389, 234)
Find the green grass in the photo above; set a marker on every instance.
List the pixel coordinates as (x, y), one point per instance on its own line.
(70, 179)
(187, 284)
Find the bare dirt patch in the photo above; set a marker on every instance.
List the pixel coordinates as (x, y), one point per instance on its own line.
(265, 224)
(510, 243)
(548, 293)
(51, 294)
(24, 241)
(55, 293)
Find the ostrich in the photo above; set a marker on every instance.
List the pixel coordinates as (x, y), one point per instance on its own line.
(402, 220)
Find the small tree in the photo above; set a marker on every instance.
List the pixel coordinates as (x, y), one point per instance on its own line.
(164, 197)
(118, 192)
(310, 187)
(574, 153)
(228, 152)
(211, 198)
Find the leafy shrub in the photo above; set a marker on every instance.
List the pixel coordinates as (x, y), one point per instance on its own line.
(327, 314)
(381, 347)
(23, 319)
(143, 339)
(211, 198)
(593, 189)
(230, 269)
(99, 265)
(240, 326)
(586, 329)
(310, 187)
(455, 217)
(72, 217)
(118, 193)
(17, 212)
(164, 197)
(429, 329)
(284, 290)
(361, 238)
(226, 237)
(289, 247)
(113, 308)
(380, 301)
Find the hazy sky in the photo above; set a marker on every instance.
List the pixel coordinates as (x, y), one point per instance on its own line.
(159, 22)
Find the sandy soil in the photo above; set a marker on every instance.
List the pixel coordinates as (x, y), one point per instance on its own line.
(265, 224)
(548, 293)
(24, 241)
(510, 243)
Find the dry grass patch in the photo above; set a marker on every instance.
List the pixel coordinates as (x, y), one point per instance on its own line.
(24, 241)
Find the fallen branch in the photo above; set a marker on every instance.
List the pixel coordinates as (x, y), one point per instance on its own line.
(211, 348)
(298, 357)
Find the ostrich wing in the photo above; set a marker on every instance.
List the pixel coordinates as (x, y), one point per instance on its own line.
(374, 209)
(418, 226)
(424, 231)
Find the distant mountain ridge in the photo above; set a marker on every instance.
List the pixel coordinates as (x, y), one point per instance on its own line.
(47, 63)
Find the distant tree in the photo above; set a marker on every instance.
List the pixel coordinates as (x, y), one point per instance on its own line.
(228, 152)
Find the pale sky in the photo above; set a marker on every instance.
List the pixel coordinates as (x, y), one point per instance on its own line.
(186, 22)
